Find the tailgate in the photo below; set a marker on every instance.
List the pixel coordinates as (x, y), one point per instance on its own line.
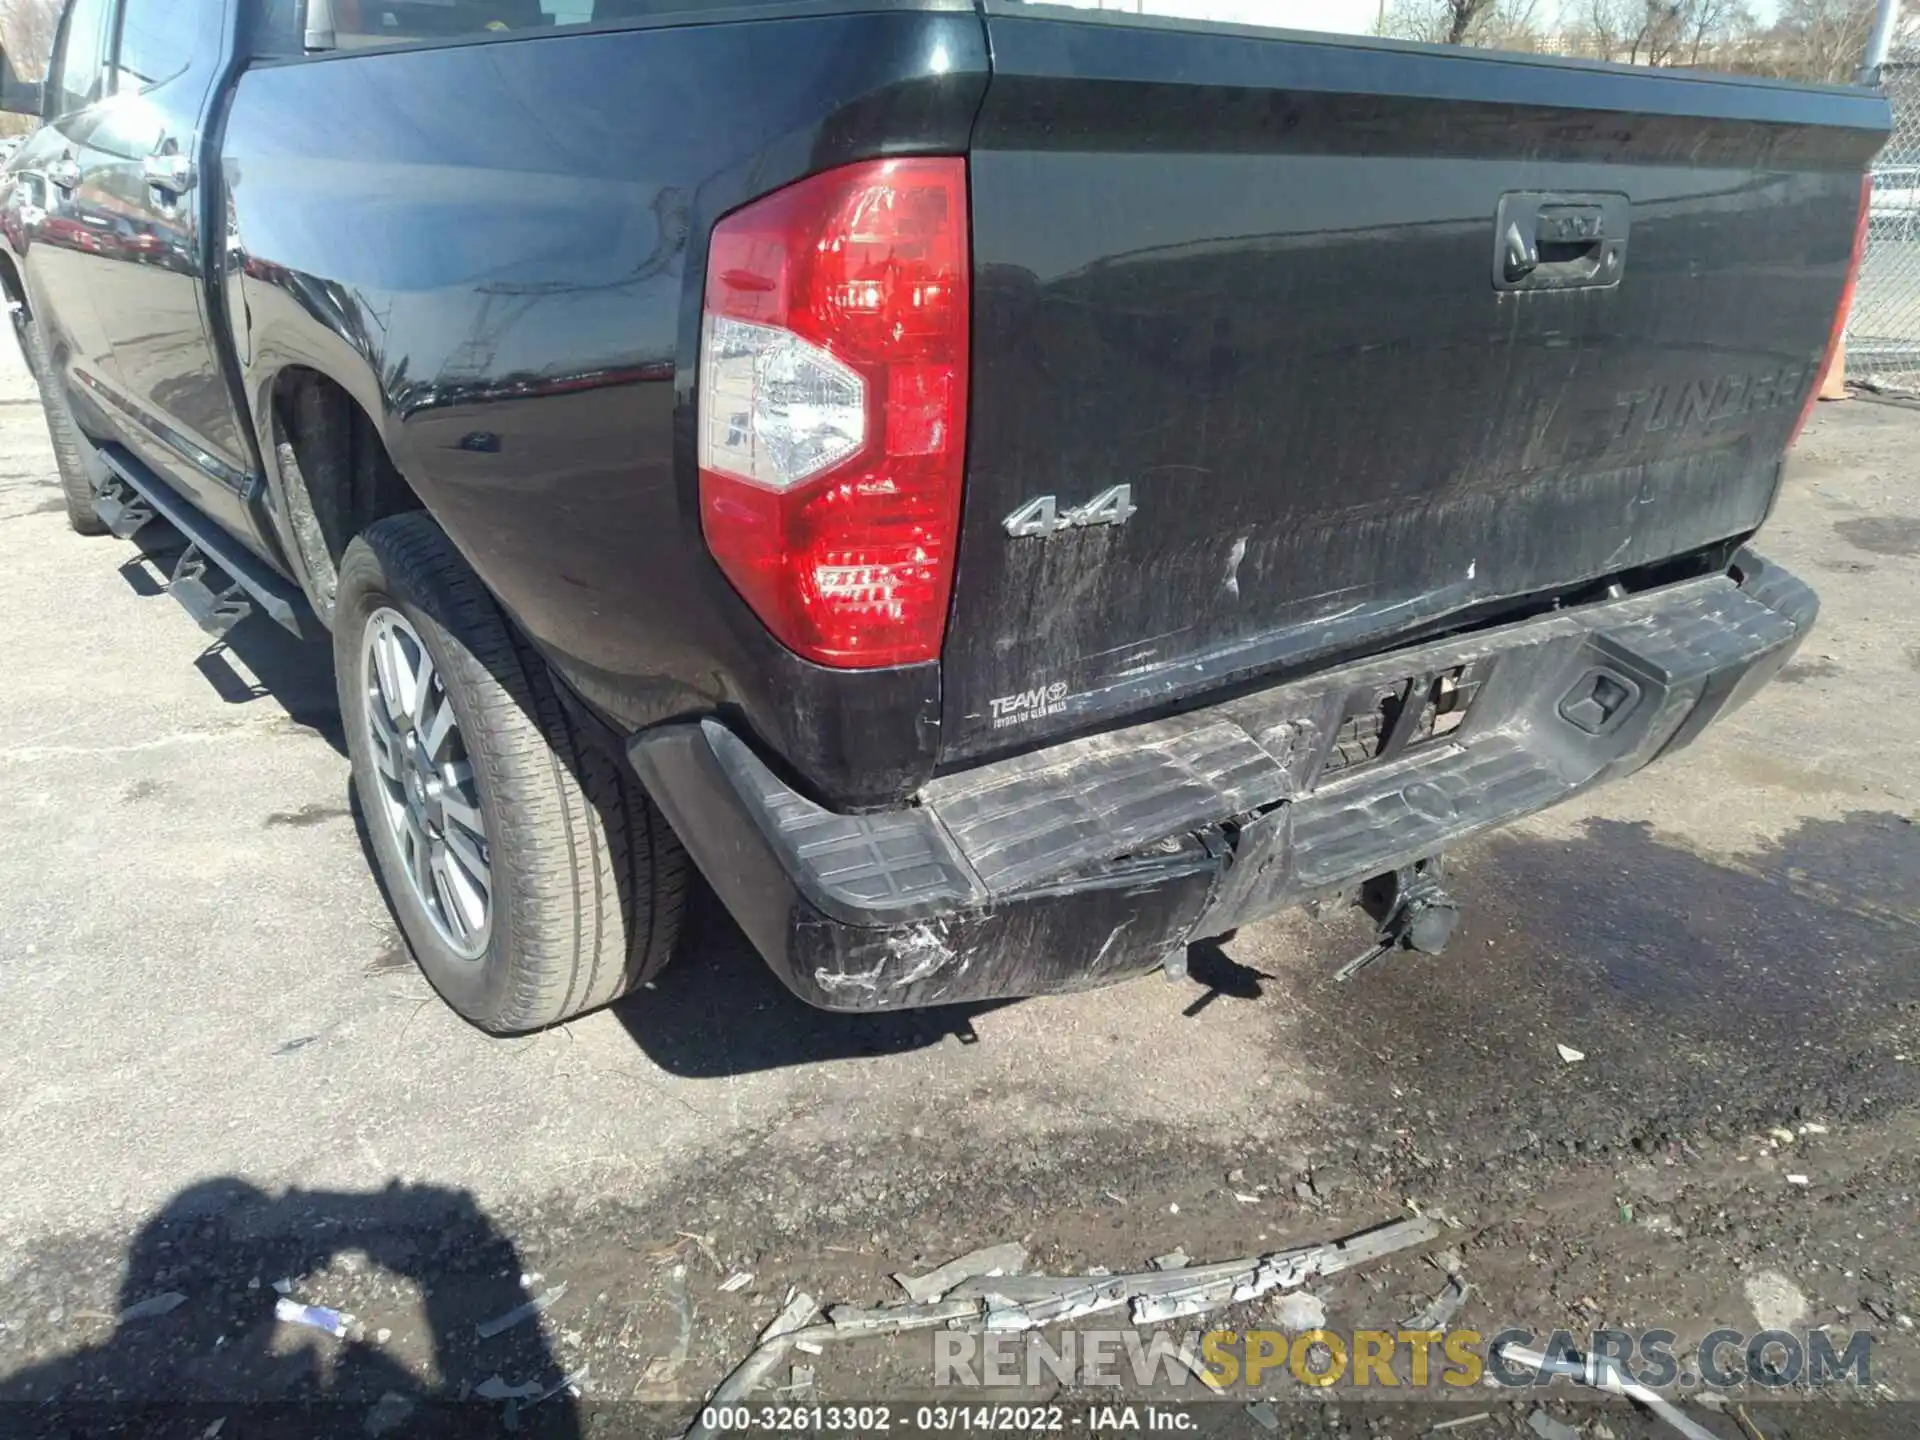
(1261, 280)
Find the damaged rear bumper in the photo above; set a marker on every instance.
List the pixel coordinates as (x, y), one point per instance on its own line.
(1093, 860)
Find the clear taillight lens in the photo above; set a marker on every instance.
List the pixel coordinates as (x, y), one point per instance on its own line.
(832, 419)
(777, 411)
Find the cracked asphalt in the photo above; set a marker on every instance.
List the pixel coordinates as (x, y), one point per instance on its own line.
(223, 1070)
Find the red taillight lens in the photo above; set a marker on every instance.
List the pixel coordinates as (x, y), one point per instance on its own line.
(833, 407)
(1841, 311)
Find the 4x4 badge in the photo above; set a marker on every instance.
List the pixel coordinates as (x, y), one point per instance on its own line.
(1112, 506)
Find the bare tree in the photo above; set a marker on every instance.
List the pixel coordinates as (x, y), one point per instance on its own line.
(27, 29)
(1600, 29)
(1497, 24)
(1817, 39)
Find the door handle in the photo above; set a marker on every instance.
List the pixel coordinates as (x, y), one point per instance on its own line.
(65, 174)
(171, 173)
(1560, 242)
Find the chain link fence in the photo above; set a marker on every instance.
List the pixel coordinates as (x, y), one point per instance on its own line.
(1883, 333)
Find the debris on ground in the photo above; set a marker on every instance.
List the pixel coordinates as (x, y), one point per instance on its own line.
(1017, 1303)
(1155, 1296)
(283, 1286)
(1548, 1428)
(1775, 1300)
(1007, 1259)
(494, 1388)
(1298, 1312)
(1197, 1367)
(1571, 1055)
(704, 1244)
(315, 1317)
(1174, 1259)
(801, 1379)
(151, 1307)
(1601, 1374)
(1442, 1308)
(487, 1329)
(739, 1280)
(390, 1412)
(846, 1320)
(768, 1354)
(1265, 1416)
(1799, 1180)
(1461, 1422)
(570, 1383)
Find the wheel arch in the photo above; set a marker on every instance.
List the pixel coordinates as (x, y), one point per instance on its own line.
(330, 464)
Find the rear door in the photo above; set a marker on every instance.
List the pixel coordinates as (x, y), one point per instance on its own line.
(63, 248)
(1268, 283)
(169, 374)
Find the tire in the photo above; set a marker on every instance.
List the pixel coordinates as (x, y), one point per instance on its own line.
(587, 882)
(76, 479)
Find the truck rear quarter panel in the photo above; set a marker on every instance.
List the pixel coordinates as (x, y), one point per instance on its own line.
(498, 249)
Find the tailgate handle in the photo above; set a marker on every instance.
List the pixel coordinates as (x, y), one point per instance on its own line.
(1560, 242)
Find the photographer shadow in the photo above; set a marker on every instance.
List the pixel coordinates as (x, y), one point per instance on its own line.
(197, 1350)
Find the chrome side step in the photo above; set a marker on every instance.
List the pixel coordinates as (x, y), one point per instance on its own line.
(121, 508)
(218, 580)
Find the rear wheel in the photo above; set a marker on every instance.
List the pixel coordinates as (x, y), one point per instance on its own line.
(532, 877)
(76, 480)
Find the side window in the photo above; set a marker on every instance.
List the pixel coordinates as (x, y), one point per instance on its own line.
(360, 23)
(156, 43)
(83, 52)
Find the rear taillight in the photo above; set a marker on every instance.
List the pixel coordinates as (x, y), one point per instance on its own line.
(833, 407)
(1841, 311)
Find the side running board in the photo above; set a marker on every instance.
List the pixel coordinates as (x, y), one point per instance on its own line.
(217, 579)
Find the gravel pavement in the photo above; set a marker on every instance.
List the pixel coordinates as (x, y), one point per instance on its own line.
(223, 1070)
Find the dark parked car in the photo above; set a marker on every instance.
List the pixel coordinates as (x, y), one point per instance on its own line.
(1008, 491)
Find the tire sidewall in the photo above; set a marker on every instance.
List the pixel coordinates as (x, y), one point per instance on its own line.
(70, 452)
(472, 987)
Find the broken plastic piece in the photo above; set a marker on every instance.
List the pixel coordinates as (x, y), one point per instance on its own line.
(315, 1317)
(1442, 1308)
(153, 1305)
(1300, 1312)
(1174, 1259)
(1265, 1416)
(1602, 1374)
(1006, 1259)
(773, 1346)
(494, 1388)
(739, 1280)
(571, 1383)
(894, 1319)
(487, 1329)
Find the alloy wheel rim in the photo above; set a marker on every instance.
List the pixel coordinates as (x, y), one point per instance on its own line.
(425, 785)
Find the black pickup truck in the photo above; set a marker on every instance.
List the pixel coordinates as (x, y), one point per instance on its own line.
(1008, 491)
